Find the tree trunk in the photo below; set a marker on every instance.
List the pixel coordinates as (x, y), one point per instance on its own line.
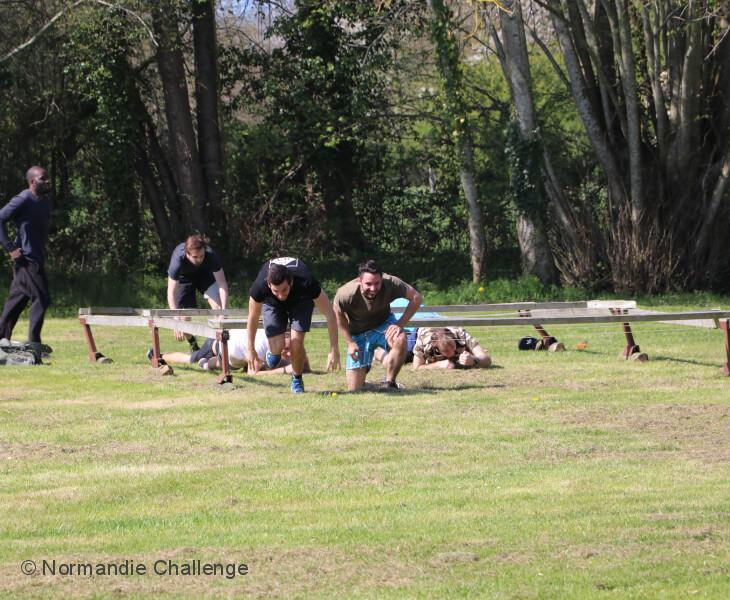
(155, 199)
(186, 163)
(207, 87)
(475, 219)
(537, 258)
(449, 69)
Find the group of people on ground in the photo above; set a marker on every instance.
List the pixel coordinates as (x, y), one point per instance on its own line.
(284, 294)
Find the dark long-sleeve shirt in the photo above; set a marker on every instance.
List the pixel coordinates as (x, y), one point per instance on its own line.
(31, 215)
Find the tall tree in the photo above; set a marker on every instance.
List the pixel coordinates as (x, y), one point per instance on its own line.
(182, 140)
(207, 98)
(526, 154)
(456, 113)
(648, 81)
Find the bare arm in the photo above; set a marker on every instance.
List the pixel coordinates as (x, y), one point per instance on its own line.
(220, 279)
(478, 359)
(420, 363)
(172, 303)
(414, 303)
(252, 324)
(344, 325)
(323, 305)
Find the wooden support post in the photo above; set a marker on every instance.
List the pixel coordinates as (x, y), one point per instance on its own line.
(225, 377)
(89, 339)
(632, 350)
(725, 326)
(156, 354)
(94, 354)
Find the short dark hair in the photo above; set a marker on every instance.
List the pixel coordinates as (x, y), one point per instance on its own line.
(196, 241)
(369, 266)
(278, 274)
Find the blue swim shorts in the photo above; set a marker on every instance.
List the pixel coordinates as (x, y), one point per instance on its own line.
(368, 341)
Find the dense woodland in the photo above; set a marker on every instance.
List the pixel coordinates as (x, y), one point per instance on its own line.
(586, 139)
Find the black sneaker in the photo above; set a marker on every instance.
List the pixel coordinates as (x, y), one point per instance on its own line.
(389, 386)
(193, 344)
(151, 354)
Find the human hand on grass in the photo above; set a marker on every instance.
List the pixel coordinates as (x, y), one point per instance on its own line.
(467, 359)
(333, 360)
(254, 362)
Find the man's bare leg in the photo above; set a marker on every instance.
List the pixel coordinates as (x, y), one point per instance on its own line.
(298, 354)
(176, 358)
(395, 358)
(356, 379)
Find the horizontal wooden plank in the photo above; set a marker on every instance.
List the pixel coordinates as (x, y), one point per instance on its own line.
(478, 321)
(192, 327)
(110, 310)
(116, 320)
(194, 312)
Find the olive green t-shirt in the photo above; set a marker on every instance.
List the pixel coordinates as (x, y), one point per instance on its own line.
(364, 314)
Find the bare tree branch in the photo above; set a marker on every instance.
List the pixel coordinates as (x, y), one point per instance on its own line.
(60, 14)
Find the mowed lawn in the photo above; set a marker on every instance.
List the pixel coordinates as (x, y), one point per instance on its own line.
(570, 475)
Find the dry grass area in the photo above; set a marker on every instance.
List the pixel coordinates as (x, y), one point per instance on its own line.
(548, 476)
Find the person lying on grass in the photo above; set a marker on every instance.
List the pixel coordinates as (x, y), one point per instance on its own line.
(442, 348)
(208, 357)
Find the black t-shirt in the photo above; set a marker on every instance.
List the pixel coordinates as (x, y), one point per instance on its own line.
(304, 285)
(182, 270)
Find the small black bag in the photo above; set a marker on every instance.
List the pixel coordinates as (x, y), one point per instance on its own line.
(527, 343)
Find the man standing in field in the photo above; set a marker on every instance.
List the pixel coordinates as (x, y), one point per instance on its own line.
(31, 211)
(362, 307)
(288, 292)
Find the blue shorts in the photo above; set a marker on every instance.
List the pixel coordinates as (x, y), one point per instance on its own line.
(368, 341)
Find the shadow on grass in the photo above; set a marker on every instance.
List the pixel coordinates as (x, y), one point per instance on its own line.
(661, 358)
(410, 391)
(685, 361)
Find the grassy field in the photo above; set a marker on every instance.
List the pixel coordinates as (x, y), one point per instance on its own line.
(571, 475)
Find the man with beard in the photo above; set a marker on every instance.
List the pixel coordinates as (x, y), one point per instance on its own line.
(362, 308)
(31, 212)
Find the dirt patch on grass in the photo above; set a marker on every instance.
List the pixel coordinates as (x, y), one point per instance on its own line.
(692, 431)
(41, 451)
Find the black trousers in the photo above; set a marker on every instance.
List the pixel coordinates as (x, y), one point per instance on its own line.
(29, 284)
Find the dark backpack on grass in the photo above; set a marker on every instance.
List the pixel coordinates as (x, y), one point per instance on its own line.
(19, 353)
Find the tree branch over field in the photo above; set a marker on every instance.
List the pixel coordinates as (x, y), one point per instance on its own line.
(32, 40)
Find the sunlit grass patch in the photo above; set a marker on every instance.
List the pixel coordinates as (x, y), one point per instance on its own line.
(566, 475)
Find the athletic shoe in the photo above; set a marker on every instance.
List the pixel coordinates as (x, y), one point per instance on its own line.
(297, 385)
(193, 344)
(273, 360)
(203, 364)
(151, 354)
(390, 386)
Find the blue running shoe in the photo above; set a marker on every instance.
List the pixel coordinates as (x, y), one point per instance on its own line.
(297, 385)
(272, 360)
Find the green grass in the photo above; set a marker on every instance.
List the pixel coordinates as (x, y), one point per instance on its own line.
(571, 475)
